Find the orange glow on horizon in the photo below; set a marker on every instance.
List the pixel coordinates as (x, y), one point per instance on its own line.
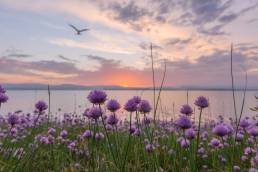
(126, 80)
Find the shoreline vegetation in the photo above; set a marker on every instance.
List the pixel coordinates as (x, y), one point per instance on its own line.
(98, 140)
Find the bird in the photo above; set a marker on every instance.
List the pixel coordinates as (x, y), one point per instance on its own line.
(78, 31)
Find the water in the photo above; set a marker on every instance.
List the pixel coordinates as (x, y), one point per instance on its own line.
(221, 102)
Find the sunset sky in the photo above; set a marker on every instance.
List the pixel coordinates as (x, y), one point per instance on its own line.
(194, 36)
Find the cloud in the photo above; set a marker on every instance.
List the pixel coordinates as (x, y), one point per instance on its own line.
(66, 59)
(103, 61)
(128, 12)
(213, 31)
(15, 53)
(227, 18)
(191, 34)
(207, 70)
(16, 66)
(208, 11)
(107, 48)
(178, 41)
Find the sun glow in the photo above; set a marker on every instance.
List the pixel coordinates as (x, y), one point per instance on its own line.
(126, 81)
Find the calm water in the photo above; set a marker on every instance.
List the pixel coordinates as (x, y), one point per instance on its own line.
(221, 102)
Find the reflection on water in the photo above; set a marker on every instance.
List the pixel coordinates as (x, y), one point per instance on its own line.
(221, 102)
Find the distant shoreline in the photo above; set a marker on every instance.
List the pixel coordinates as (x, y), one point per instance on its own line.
(31, 86)
(125, 89)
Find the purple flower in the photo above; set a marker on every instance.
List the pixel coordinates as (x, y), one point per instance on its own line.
(244, 123)
(252, 170)
(239, 137)
(201, 151)
(51, 131)
(2, 90)
(244, 158)
(255, 160)
(72, 145)
(87, 134)
(184, 122)
(253, 131)
(13, 119)
(97, 97)
(99, 136)
(205, 134)
(44, 140)
(184, 143)
(201, 102)
(3, 98)
(50, 139)
(186, 109)
(190, 133)
(113, 105)
(144, 106)
(63, 133)
(137, 132)
(137, 99)
(41, 106)
(220, 130)
(112, 119)
(130, 106)
(109, 127)
(146, 120)
(248, 151)
(13, 131)
(214, 142)
(149, 147)
(95, 112)
(132, 129)
(86, 113)
(236, 168)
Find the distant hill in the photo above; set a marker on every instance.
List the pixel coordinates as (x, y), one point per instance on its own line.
(32, 86)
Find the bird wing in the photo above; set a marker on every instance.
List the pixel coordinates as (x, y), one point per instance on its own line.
(82, 30)
(73, 27)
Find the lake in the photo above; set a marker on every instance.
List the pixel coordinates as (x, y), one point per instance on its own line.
(221, 102)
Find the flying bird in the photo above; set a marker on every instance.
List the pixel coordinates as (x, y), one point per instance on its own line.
(78, 31)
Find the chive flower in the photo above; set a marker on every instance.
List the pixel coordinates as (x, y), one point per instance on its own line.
(184, 122)
(187, 110)
(190, 133)
(144, 106)
(3, 98)
(113, 105)
(244, 123)
(112, 119)
(220, 130)
(13, 119)
(95, 112)
(97, 97)
(130, 106)
(201, 102)
(137, 99)
(87, 134)
(41, 106)
(2, 89)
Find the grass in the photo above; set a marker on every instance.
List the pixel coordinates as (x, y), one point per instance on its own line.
(95, 155)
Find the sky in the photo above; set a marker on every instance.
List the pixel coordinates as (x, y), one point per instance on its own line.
(192, 37)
